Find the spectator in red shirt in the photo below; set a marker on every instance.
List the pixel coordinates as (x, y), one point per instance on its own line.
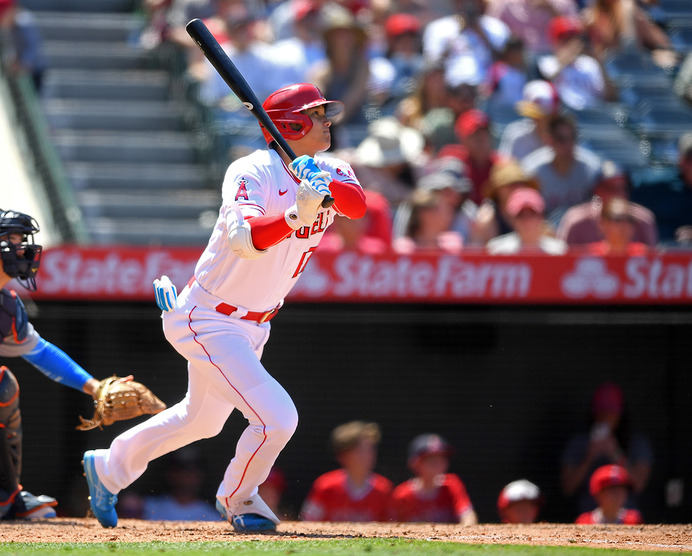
(476, 150)
(432, 495)
(354, 492)
(617, 222)
(610, 486)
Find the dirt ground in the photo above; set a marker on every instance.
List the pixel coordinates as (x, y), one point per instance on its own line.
(669, 538)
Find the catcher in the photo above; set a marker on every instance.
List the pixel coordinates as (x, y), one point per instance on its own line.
(114, 398)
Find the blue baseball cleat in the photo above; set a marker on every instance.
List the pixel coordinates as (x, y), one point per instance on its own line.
(102, 501)
(28, 506)
(259, 516)
(247, 523)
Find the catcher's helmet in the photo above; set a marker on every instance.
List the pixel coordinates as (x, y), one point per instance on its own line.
(285, 108)
(25, 266)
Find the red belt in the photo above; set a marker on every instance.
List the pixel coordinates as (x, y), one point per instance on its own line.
(226, 309)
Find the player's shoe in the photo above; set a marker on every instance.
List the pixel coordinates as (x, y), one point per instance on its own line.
(255, 516)
(101, 500)
(28, 506)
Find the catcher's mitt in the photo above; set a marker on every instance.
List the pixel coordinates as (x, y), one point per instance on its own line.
(118, 399)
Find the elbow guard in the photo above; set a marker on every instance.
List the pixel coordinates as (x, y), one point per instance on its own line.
(240, 240)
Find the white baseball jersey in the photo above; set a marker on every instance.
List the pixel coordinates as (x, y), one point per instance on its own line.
(261, 184)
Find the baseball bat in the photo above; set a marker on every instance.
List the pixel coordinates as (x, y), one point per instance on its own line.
(234, 79)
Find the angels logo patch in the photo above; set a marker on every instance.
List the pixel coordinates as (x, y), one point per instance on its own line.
(346, 173)
(242, 190)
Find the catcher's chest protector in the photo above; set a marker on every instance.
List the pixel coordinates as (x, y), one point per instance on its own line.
(13, 318)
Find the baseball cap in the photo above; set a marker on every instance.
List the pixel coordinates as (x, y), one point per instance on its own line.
(427, 444)
(470, 122)
(446, 172)
(539, 99)
(608, 397)
(525, 198)
(389, 143)
(517, 491)
(506, 172)
(608, 476)
(563, 27)
(401, 23)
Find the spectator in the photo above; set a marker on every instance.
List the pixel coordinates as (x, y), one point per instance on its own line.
(608, 440)
(614, 25)
(404, 52)
(430, 93)
(429, 225)
(438, 131)
(668, 193)
(476, 149)
(522, 137)
(22, 43)
(181, 501)
(508, 75)
(520, 502)
(683, 80)
(432, 495)
(386, 161)
(566, 173)
(581, 80)
(465, 37)
(526, 210)
(446, 177)
(300, 52)
(529, 19)
(354, 492)
(346, 74)
(580, 225)
(492, 219)
(609, 486)
(617, 222)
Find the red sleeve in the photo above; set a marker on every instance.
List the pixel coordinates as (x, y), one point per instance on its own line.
(268, 230)
(349, 199)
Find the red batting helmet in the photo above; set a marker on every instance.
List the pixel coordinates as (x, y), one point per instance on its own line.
(285, 107)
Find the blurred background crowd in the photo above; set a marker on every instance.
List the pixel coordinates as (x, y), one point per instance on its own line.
(506, 125)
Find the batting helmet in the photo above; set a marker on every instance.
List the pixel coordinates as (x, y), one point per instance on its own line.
(285, 108)
(25, 266)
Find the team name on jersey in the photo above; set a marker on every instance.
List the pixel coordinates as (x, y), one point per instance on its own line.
(318, 226)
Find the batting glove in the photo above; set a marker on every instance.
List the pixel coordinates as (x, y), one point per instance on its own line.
(305, 169)
(166, 294)
(308, 203)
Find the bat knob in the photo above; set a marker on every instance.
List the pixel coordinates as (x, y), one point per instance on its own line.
(327, 202)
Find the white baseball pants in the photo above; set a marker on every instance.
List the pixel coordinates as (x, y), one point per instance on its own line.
(224, 373)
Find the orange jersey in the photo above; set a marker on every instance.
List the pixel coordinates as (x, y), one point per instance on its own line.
(449, 503)
(331, 498)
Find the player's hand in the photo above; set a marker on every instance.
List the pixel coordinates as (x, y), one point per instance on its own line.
(305, 169)
(308, 203)
(166, 293)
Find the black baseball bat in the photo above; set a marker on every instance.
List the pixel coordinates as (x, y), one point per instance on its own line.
(234, 79)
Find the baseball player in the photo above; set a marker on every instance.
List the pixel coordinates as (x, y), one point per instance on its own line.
(20, 260)
(269, 225)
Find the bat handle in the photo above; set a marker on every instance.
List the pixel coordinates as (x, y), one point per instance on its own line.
(328, 201)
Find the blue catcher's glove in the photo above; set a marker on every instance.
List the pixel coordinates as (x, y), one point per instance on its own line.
(305, 169)
(166, 293)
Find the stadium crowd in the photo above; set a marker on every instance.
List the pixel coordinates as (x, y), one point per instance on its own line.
(453, 105)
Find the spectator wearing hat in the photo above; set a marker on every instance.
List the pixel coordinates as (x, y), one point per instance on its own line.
(475, 149)
(468, 36)
(354, 492)
(529, 19)
(387, 160)
(22, 42)
(607, 440)
(581, 224)
(446, 177)
(492, 218)
(581, 80)
(526, 211)
(404, 52)
(433, 495)
(566, 172)
(617, 224)
(539, 101)
(520, 502)
(667, 192)
(609, 485)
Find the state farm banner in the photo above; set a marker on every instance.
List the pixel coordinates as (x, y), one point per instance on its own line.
(127, 273)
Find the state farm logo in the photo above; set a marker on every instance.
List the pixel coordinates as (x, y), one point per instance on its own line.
(590, 277)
